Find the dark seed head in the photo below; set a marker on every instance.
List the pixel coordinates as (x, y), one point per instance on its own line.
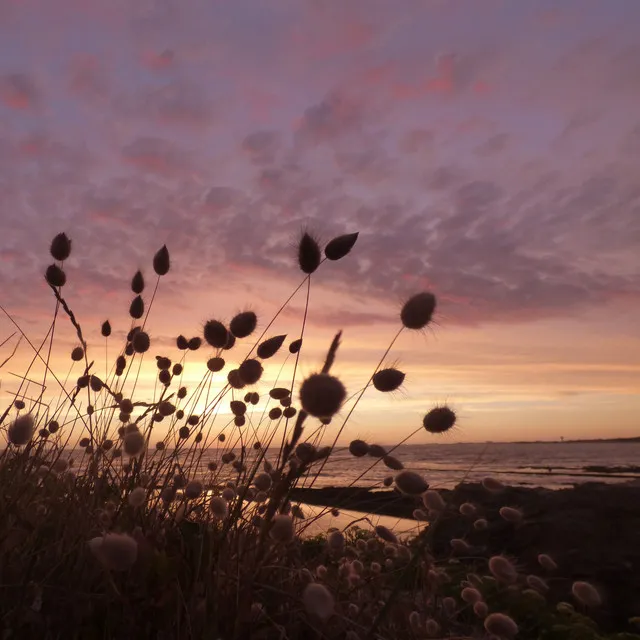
(231, 341)
(388, 379)
(194, 344)
(277, 393)
(255, 398)
(322, 395)
(238, 408)
(193, 420)
(105, 330)
(163, 363)
(182, 392)
(239, 421)
(161, 262)
(136, 310)
(55, 276)
(182, 343)
(184, 432)
(96, 384)
(128, 350)
(121, 362)
(216, 334)
(439, 420)
(164, 377)
(19, 405)
(243, 324)
(270, 346)
(126, 406)
(339, 247)
(179, 414)
(289, 412)
(77, 354)
(177, 369)
(215, 364)
(137, 283)
(234, 379)
(83, 382)
(308, 254)
(43, 433)
(141, 342)
(275, 413)
(418, 310)
(53, 426)
(294, 347)
(60, 247)
(250, 371)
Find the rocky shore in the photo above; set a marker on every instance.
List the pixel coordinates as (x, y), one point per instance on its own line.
(592, 531)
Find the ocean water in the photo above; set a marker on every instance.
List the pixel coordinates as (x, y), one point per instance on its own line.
(551, 465)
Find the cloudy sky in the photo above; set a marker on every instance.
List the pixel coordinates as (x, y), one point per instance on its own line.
(487, 150)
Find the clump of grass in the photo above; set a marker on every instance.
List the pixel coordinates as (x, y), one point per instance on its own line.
(113, 526)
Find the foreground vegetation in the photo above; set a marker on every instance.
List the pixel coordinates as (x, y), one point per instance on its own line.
(118, 521)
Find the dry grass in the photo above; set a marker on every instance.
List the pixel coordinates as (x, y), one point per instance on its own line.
(108, 531)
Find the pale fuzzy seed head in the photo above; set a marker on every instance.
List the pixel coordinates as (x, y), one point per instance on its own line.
(336, 541)
(492, 484)
(511, 514)
(460, 546)
(138, 497)
(433, 501)
(480, 524)
(318, 601)
(586, 594)
(449, 606)
(415, 622)
(282, 528)
(385, 534)
(306, 452)
(470, 595)
(468, 509)
(502, 569)
(193, 489)
(358, 448)
(262, 481)
(21, 430)
(228, 494)
(219, 507)
(357, 567)
(411, 483)
(388, 563)
(375, 567)
(481, 609)
(117, 551)
(431, 627)
(133, 443)
(321, 571)
(547, 562)
(537, 583)
(353, 609)
(501, 625)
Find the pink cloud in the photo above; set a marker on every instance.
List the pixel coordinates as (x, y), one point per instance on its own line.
(18, 91)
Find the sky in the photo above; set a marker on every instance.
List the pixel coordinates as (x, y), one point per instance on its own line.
(485, 150)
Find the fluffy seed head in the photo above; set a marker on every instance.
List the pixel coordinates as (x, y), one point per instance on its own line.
(136, 310)
(340, 246)
(547, 562)
(460, 546)
(480, 524)
(322, 395)
(376, 451)
(250, 371)
(182, 343)
(262, 481)
(243, 324)
(481, 609)
(219, 507)
(193, 489)
(586, 594)
(358, 448)
(537, 583)
(141, 342)
(385, 534)
(21, 430)
(161, 262)
(511, 514)
(411, 483)
(117, 551)
(470, 595)
(418, 310)
(305, 451)
(105, 329)
(501, 625)
(388, 379)
(216, 334)
(133, 443)
(270, 347)
(502, 569)
(388, 481)
(137, 283)
(282, 528)
(308, 254)
(318, 601)
(234, 379)
(275, 413)
(439, 420)
(60, 247)
(336, 540)
(433, 501)
(55, 276)
(431, 627)
(467, 509)
(492, 484)
(391, 462)
(138, 497)
(194, 343)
